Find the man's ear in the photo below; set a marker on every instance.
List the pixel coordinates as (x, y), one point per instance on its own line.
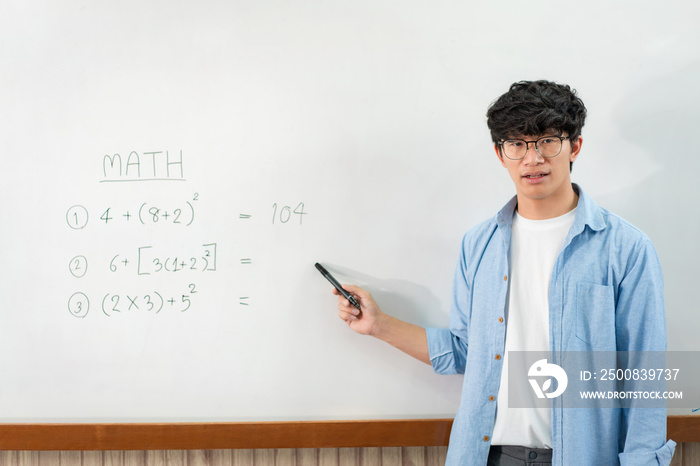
(499, 155)
(576, 148)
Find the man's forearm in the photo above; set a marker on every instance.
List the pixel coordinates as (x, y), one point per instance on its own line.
(409, 338)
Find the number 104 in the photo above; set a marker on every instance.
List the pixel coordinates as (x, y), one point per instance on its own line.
(283, 214)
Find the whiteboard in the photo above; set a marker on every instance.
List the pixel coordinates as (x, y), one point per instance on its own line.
(172, 171)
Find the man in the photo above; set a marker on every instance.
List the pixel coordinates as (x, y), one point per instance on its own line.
(553, 272)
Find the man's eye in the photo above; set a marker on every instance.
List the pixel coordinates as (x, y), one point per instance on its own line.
(514, 143)
(547, 141)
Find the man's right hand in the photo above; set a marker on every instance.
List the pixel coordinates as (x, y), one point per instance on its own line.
(362, 322)
(409, 338)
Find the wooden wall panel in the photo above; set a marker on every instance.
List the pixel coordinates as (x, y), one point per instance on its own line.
(691, 454)
(389, 456)
(687, 454)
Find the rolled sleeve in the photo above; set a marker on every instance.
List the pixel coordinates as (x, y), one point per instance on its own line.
(448, 353)
(660, 457)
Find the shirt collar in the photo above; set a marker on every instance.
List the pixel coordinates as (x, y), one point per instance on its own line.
(587, 213)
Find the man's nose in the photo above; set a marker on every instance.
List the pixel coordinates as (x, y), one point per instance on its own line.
(531, 155)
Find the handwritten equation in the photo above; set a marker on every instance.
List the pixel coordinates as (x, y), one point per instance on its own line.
(146, 213)
(146, 261)
(114, 303)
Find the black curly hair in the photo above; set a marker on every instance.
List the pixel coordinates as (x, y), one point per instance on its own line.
(534, 107)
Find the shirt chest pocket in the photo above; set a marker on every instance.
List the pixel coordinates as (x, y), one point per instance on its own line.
(595, 315)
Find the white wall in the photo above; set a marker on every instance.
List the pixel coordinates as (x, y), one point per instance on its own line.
(371, 114)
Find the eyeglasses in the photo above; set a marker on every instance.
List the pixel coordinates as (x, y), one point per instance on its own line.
(546, 146)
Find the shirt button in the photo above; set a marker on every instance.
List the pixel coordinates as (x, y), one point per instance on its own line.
(500, 319)
(498, 356)
(533, 455)
(486, 438)
(491, 398)
(505, 278)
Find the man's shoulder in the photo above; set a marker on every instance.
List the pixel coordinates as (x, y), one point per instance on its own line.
(483, 227)
(478, 235)
(608, 225)
(622, 229)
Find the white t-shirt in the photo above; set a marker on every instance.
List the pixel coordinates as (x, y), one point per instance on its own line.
(535, 246)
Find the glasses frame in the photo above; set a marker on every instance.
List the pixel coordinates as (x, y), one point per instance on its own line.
(527, 146)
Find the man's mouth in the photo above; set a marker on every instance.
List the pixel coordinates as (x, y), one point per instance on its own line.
(533, 178)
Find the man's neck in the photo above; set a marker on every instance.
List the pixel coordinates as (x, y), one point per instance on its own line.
(551, 207)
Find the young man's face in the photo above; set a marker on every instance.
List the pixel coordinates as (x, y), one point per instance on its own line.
(539, 178)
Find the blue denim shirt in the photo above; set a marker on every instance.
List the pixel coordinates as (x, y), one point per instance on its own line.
(605, 294)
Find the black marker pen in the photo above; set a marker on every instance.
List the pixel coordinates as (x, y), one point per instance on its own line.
(338, 286)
